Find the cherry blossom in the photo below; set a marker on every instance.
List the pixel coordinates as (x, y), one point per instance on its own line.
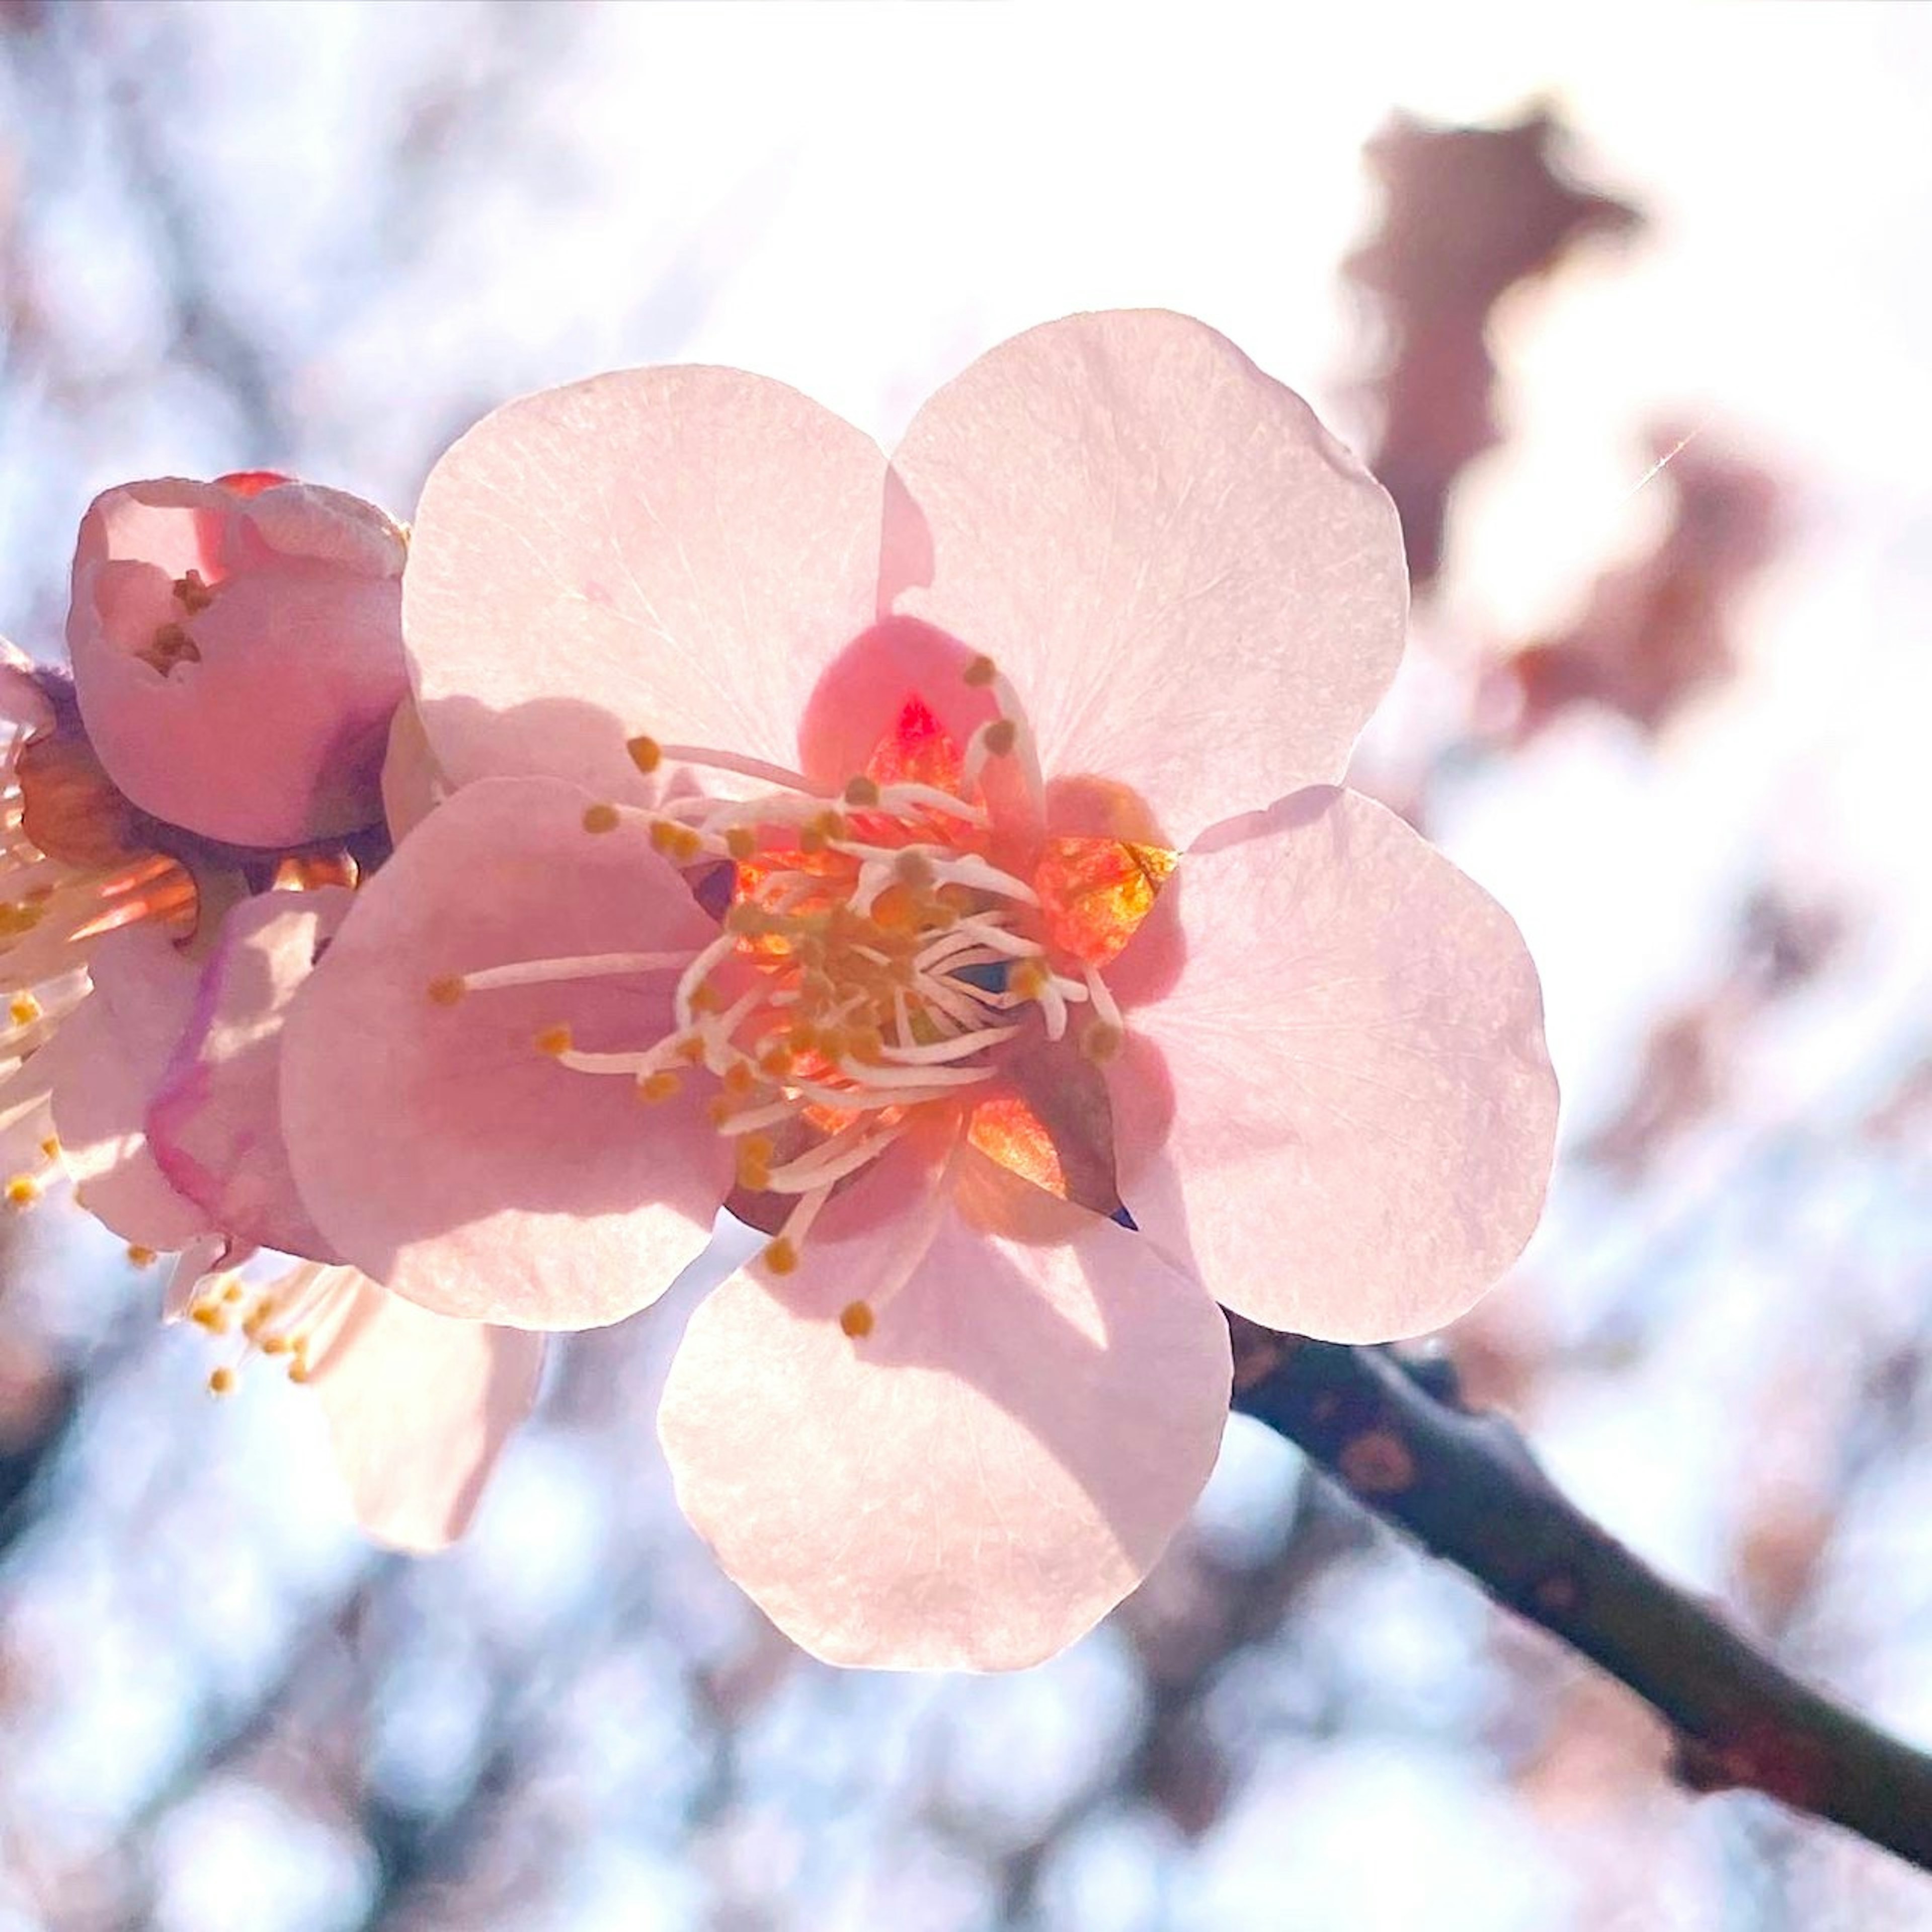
(944, 860)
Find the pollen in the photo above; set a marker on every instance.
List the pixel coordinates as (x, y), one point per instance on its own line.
(781, 1257)
(1028, 980)
(980, 672)
(140, 1257)
(22, 1191)
(862, 792)
(446, 991)
(776, 1063)
(554, 1040)
(660, 1086)
(646, 753)
(50, 1146)
(24, 1009)
(221, 1382)
(601, 818)
(1000, 736)
(755, 1163)
(739, 1079)
(855, 1319)
(1100, 1041)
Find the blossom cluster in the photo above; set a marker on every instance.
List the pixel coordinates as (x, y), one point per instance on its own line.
(940, 862)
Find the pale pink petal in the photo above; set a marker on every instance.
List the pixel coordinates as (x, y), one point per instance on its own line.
(253, 704)
(104, 1065)
(418, 1409)
(980, 1479)
(1362, 1105)
(671, 552)
(413, 784)
(436, 1148)
(1194, 588)
(214, 1123)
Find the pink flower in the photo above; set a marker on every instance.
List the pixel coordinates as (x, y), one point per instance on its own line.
(237, 654)
(810, 819)
(163, 1085)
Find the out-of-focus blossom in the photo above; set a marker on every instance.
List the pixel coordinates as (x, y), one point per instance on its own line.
(237, 651)
(1659, 632)
(1468, 213)
(949, 1026)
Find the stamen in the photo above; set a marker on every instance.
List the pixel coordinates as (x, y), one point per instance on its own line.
(774, 775)
(546, 972)
(601, 818)
(855, 1320)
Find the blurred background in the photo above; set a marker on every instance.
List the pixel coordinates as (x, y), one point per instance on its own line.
(1675, 717)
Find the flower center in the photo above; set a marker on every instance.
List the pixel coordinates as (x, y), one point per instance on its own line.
(874, 958)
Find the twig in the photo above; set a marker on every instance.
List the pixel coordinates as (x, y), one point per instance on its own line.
(1466, 1486)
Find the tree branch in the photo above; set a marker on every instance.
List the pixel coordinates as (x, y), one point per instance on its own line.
(1466, 1486)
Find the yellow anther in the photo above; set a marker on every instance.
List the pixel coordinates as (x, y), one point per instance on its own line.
(686, 845)
(781, 1257)
(221, 1382)
(211, 1315)
(1101, 1041)
(802, 1038)
(1028, 980)
(740, 1078)
(707, 999)
(554, 1040)
(50, 1146)
(690, 1048)
(646, 753)
(741, 841)
(754, 1162)
(658, 1086)
(24, 1009)
(775, 1063)
(299, 1370)
(664, 835)
(140, 1257)
(446, 991)
(601, 818)
(22, 1191)
(980, 672)
(232, 1291)
(862, 792)
(1000, 736)
(718, 1109)
(855, 1319)
(275, 1345)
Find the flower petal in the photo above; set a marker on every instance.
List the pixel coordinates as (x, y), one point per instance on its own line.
(104, 1063)
(1364, 1108)
(976, 1482)
(1194, 588)
(436, 1148)
(689, 545)
(418, 1409)
(214, 1123)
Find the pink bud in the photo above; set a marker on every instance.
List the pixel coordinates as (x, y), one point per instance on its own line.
(238, 652)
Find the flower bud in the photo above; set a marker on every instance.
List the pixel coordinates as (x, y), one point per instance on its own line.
(237, 650)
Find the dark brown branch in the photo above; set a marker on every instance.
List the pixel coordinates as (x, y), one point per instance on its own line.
(1467, 1488)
